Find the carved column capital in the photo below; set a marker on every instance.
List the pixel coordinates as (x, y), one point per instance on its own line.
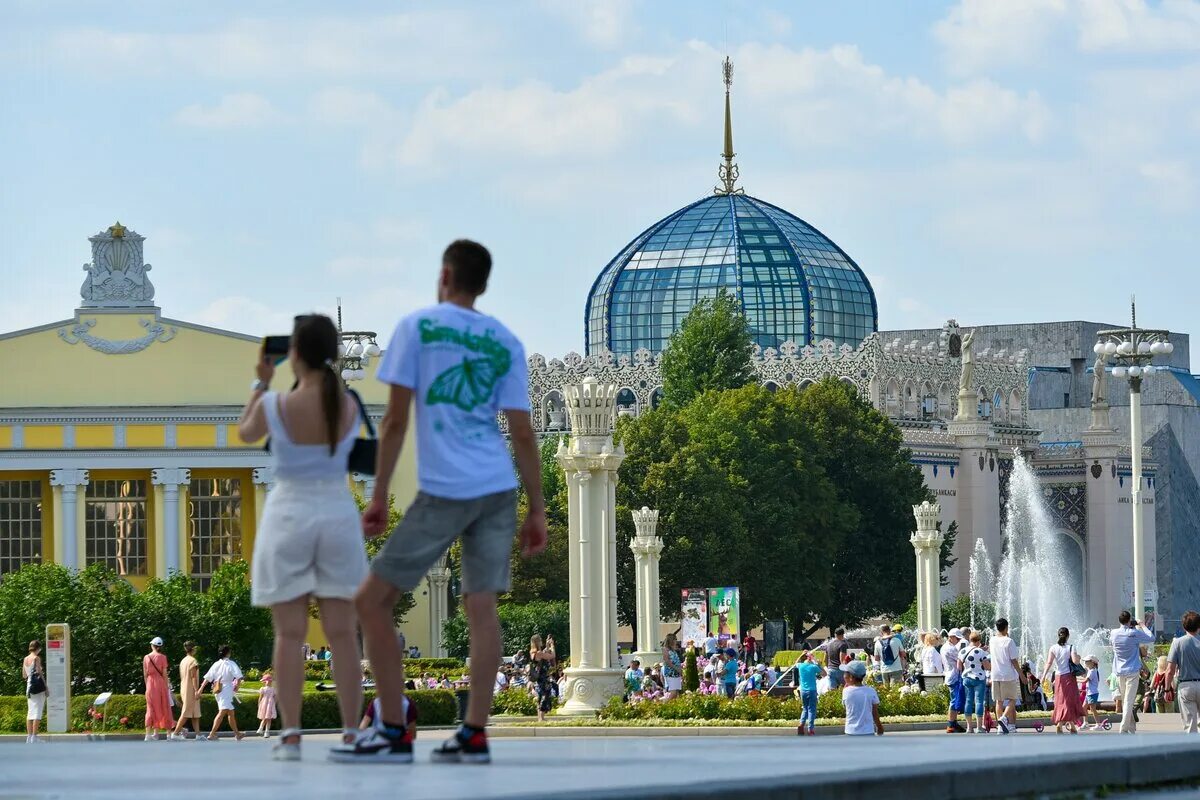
(68, 477)
(170, 476)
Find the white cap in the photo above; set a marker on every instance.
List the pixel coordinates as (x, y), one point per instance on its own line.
(955, 632)
(156, 641)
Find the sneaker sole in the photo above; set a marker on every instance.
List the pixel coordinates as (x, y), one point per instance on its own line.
(374, 758)
(460, 758)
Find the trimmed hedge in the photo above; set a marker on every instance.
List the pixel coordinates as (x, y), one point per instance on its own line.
(319, 670)
(319, 710)
(892, 703)
(516, 702)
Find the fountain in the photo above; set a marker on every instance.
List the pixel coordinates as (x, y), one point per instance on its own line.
(1030, 586)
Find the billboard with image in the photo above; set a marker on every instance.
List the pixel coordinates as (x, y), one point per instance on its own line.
(693, 627)
(724, 614)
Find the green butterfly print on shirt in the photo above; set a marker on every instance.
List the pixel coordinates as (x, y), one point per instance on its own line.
(465, 385)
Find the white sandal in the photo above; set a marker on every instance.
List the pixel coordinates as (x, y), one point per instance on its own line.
(283, 751)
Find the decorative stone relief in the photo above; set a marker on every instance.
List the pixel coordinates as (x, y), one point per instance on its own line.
(116, 276)
(155, 332)
(1068, 506)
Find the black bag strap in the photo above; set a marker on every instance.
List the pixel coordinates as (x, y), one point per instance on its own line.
(362, 410)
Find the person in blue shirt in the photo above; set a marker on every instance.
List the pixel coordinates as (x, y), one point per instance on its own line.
(730, 672)
(808, 673)
(1127, 665)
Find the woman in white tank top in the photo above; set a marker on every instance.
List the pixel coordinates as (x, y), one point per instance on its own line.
(309, 543)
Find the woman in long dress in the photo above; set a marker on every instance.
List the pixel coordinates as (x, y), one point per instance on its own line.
(1068, 710)
(158, 691)
(35, 678)
(189, 692)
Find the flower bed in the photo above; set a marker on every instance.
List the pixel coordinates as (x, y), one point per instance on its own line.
(893, 701)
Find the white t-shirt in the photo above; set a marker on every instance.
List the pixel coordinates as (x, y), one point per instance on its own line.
(711, 644)
(1004, 653)
(464, 367)
(931, 662)
(950, 660)
(501, 681)
(226, 671)
(1062, 658)
(858, 701)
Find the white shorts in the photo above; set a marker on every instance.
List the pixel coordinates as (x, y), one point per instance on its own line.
(309, 542)
(36, 704)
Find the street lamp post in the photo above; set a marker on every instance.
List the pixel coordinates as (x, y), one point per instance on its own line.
(355, 350)
(1132, 349)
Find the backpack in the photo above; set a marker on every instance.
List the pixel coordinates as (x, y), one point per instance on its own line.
(37, 684)
(889, 655)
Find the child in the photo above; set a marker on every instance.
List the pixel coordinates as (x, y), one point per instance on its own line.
(861, 702)
(266, 705)
(1092, 700)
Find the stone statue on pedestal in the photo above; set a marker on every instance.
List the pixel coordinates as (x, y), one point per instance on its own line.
(966, 381)
(1099, 382)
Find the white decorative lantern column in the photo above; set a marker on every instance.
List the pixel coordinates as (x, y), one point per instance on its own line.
(439, 605)
(590, 462)
(927, 542)
(646, 548)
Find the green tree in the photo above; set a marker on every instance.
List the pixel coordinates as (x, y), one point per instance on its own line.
(30, 598)
(374, 545)
(862, 453)
(711, 350)
(691, 671)
(248, 629)
(518, 622)
(742, 501)
(544, 576)
(946, 558)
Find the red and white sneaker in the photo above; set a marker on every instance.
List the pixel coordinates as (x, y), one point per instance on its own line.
(464, 747)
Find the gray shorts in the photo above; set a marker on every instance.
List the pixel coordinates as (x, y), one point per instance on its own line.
(487, 525)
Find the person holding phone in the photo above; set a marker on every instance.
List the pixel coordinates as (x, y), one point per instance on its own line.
(309, 543)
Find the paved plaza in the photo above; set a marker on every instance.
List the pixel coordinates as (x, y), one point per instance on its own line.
(627, 767)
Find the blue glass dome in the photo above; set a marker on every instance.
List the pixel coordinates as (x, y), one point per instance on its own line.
(792, 281)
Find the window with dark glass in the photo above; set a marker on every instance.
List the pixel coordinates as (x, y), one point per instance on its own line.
(20, 524)
(214, 526)
(115, 525)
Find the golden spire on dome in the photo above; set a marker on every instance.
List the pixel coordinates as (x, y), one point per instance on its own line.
(728, 172)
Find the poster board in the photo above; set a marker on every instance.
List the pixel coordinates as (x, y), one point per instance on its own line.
(58, 677)
(693, 626)
(724, 615)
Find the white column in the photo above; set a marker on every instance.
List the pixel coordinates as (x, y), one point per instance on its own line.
(590, 461)
(1135, 453)
(647, 547)
(69, 483)
(439, 612)
(170, 479)
(927, 542)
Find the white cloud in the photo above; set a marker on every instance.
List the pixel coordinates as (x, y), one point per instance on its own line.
(1171, 184)
(351, 107)
(604, 23)
(412, 46)
(980, 34)
(827, 97)
(238, 110)
(243, 315)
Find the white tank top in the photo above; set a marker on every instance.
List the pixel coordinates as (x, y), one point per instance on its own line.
(305, 461)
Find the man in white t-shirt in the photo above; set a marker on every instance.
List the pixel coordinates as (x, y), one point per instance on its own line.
(1006, 677)
(861, 702)
(501, 681)
(711, 645)
(634, 676)
(459, 369)
(890, 656)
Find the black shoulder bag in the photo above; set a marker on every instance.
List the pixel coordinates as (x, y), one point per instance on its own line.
(362, 454)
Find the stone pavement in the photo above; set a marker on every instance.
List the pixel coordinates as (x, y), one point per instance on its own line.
(626, 767)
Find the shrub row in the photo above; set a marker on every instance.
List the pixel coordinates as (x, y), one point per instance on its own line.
(319, 670)
(892, 703)
(516, 702)
(319, 710)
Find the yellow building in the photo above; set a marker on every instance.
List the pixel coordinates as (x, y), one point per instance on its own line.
(123, 449)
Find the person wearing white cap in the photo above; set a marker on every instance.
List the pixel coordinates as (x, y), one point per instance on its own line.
(953, 665)
(158, 691)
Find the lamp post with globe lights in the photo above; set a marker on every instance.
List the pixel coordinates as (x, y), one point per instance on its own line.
(355, 350)
(1131, 350)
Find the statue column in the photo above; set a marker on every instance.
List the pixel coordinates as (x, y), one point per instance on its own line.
(927, 542)
(67, 484)
(439, 612)
(590, 461)
(167, 517)
(646, 548)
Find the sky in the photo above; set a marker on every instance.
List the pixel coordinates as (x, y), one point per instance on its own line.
(989, 161)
